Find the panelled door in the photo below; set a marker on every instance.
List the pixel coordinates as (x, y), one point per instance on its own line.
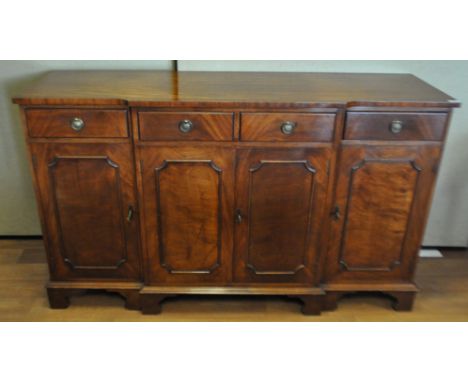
(281, 202)
(188, 195)
(382, 197)
(88, 199)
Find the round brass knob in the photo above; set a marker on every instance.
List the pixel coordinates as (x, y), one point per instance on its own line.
(396, 127)
(288, 127)
(77, 124)
(185, 126)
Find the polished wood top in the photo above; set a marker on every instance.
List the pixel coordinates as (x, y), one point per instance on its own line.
(231, 89)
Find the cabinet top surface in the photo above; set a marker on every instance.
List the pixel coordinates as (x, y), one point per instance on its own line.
(242, 89)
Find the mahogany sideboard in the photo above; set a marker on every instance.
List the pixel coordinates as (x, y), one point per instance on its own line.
(309, 185)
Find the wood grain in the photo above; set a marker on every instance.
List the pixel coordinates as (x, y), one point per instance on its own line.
(280, 197)
(383, 193)
(92, 202)
(55, 123)
(23, 273)
(164, 126)
(234, 89)
(188, 202)
(266, 127)
(85, 192)
(376, 126)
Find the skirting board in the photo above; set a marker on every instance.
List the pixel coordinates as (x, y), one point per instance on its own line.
(432, 253)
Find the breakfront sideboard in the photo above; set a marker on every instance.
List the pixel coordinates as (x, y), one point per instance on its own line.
(309, 185)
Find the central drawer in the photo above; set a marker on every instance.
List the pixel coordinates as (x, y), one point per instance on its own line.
(185, 126)
(287, 127)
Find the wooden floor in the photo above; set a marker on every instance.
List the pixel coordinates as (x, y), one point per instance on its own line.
(23, 274)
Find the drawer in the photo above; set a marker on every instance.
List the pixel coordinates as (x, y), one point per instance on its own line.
(190, 126)
(287, 127)
(395, 126)
(76, 123)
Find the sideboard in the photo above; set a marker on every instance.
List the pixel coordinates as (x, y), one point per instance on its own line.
(153, 184)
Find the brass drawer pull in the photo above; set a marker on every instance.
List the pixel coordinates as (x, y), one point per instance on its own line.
(396, 127)
(287, 128)
(77, 124)
(185, 126)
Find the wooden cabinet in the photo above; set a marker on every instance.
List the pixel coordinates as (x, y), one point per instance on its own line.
(308, 185)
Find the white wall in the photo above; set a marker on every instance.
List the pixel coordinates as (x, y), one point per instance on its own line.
(18, 213)
(448, 222)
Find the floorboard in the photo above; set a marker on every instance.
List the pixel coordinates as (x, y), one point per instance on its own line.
(23, 274)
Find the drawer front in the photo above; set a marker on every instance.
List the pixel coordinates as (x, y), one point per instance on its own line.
(175, 126)
(287, 127)
(395, 126)
(77, 123)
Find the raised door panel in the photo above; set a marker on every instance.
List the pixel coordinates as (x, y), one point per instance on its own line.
(188, 212)
(281, 200)
(88, 199)
(382, 200)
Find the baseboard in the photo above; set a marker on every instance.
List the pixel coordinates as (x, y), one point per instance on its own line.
(20, 237)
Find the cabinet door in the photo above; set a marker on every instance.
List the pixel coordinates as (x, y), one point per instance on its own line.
(87, 195)
(281, 198)
(188, 213)
(382, 199)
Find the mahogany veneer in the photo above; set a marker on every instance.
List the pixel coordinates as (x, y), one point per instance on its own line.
(309, 185)
(46, 123)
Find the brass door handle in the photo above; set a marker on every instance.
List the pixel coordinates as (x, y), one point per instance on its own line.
(335, 214)
(238, 216)
(130, 214)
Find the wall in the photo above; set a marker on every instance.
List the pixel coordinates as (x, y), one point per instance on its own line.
(448, 222)
(18, 213)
